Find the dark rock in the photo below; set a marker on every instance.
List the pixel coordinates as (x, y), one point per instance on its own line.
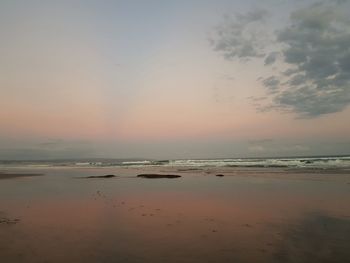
(101, 176)
(220, 175)
(154, 176)
(15, 175)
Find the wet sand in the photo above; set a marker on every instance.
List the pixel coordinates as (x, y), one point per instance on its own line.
(247, 215)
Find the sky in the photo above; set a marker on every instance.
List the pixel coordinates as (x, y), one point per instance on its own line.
(174, 79)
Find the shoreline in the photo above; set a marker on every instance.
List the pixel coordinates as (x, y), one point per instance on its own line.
(245, 215)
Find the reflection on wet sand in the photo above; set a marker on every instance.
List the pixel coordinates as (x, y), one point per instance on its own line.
(316, 238)
(196, 219)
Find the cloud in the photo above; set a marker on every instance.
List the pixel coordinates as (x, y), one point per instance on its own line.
(50, 143)
(271, 83)
(301, 148)
(315, 48)
(271, 58)
(310, 102)
(317, 44)
(297, 80)
(46, 149)
(290, 72)
(238, 36)
(256, 149)
(272, 146)
(258, 141)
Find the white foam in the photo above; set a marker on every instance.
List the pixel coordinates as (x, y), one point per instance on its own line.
(310, 162)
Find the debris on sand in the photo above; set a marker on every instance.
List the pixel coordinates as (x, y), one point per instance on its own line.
(220, 175)
(154, 176)
(188, 169)
(9, 221)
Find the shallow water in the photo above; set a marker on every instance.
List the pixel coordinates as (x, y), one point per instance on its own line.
(245, 216)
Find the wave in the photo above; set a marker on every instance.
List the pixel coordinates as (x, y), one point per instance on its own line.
(342, 162)
(308, 162)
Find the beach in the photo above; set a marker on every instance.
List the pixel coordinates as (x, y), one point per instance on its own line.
(175, 131)
(244, 215)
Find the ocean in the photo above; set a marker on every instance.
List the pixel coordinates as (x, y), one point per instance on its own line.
(316, 162)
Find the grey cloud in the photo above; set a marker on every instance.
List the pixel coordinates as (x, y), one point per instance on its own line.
(38, 154)
(271, 58)
(257, 102)
(311, 102)
(290, 72)
(255, 15)
(341, 1)
(271, 83)
(45, 149)
(294, 55)
(237, 36)
(51, 143)
(315, 46)
(317, 41)
(253, 98)
(258, 141)
(344, 63)
(272, 146)
(297, 80)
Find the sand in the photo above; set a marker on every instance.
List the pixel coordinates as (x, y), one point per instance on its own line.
(247, 215)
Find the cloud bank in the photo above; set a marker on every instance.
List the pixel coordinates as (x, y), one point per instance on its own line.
(315, 47)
